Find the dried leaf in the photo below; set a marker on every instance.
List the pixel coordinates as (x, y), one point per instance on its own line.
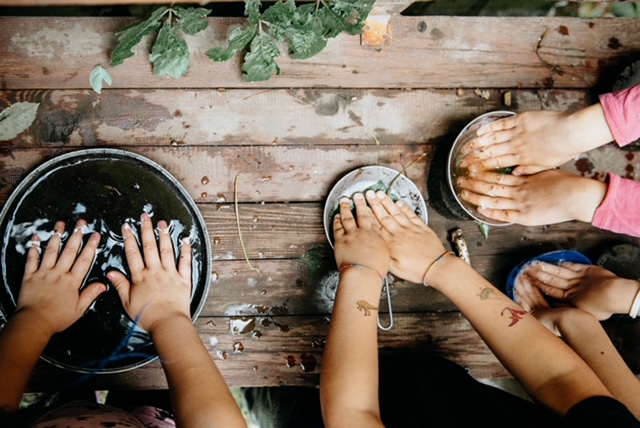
(17, 118)
(98, 74)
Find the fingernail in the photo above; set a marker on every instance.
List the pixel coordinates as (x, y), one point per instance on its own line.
(344, 201)
(186, 241)
(58, 228)
(163, 227)
(126, 226)
(111, 276)
(399, 203)
(380, 194)
(370, 194)
(144, 217)
(95, 236)
(358, 197)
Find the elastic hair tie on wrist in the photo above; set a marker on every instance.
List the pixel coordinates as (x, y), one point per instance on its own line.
(435, 262)
(635, 305)
(355, 265)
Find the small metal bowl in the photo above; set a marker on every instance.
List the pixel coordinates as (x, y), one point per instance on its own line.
(362, 179)
(453, 171)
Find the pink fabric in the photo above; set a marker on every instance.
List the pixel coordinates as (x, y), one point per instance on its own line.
(82, 414)
(620, 209)
(622, 112)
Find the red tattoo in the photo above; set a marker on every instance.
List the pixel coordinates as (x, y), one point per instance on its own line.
(516, 315)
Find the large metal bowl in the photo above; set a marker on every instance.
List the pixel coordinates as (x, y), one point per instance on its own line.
(364, 178)
(105, 187)
(454, 171)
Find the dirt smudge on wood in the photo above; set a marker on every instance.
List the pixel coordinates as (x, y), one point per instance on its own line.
(128, 111)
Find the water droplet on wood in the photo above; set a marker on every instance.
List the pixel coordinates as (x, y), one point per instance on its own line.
(204, 180)
(222, 354)
(290, 361)
(238, 347)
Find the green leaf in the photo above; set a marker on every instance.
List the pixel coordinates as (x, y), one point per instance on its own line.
(17, 118)
(98, 74)
(345, 15)
(484, 229)
(192, 19)
(302, 31)
(133, 34)
(169, 55)
(305, 44)
(252, 10)
(626, 10)
(239, 39)
(259, 62)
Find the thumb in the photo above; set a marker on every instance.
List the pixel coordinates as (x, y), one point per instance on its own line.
(121, 284)
(527, 170)
(89, 294)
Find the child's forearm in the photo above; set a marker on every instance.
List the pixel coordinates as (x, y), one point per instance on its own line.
(349, 379)
(515, 337)
(200, 396)
(22, 340)
(585, 335)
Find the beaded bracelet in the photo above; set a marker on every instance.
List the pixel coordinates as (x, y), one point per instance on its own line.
(355, 265)
(435, 262)
(635, 305)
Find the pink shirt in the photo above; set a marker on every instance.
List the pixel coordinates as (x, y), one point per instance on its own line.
(620, 209)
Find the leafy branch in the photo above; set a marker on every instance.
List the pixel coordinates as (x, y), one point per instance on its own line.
(169, 53)
(305, 28)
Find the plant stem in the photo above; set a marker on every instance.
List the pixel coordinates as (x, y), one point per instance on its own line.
(402, 172)
(235, 203)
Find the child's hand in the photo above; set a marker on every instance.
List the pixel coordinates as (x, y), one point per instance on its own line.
(545, 198)
(158, 290)
(537, 140)
(358, 240)
(412, 244)
(588, 287)
(50, 288)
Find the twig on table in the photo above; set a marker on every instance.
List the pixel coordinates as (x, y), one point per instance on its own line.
(402, 172)
(235, 203)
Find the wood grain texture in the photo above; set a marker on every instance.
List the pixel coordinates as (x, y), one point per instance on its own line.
(426, 52)
(278, 117)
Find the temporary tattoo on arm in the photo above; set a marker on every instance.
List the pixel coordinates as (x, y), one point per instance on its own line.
(487, 293)
(365, 306)
(516, 315)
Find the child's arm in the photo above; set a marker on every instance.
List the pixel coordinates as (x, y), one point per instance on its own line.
(159, 295)
(49, 302)
(349, 379)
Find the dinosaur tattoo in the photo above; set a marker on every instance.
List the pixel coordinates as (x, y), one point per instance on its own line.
(516, 315)
(365, 306)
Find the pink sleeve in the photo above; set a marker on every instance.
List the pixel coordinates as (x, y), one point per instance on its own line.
(622, 112)
(620, 209)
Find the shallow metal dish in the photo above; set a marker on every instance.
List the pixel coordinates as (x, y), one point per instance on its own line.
(105, 187)
(368, 176)
(468, 133)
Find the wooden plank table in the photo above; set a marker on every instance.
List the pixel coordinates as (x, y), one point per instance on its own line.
(290, 139)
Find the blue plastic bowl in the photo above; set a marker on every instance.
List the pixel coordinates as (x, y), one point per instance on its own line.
(554, 257)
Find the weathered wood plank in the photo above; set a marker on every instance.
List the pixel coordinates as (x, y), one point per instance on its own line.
(263, 361)
(258, 117)
(425, 52)
(274, 173)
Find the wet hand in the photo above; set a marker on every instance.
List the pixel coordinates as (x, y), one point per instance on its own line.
(412, 244)
(157, 290)
(545, 198)
(51, 288)
(588, 287)
(533, 141)
(358, 239)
